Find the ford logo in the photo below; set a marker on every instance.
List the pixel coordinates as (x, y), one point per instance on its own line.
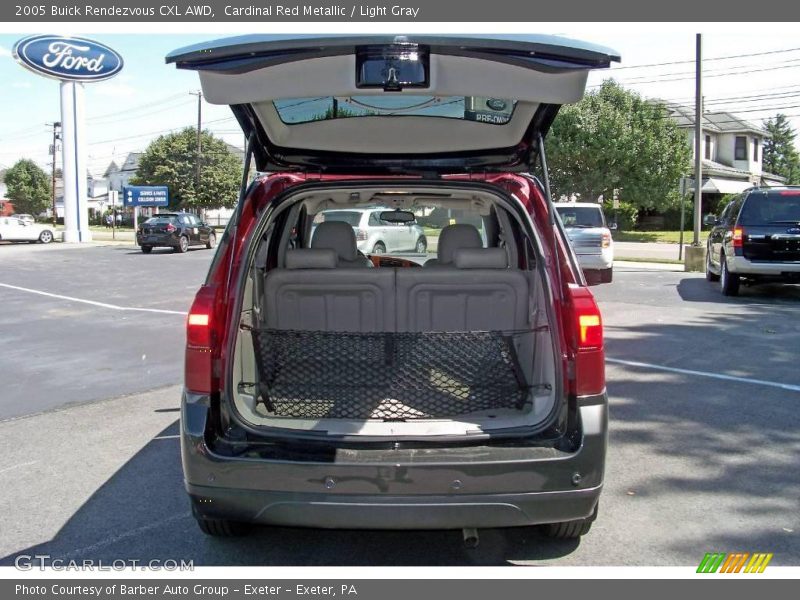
(793, 230)
(67, 58)
(496, 104)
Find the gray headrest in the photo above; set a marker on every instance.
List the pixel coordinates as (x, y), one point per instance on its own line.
(455, 237)
(483, 258)
(311, 258)
(337, 236)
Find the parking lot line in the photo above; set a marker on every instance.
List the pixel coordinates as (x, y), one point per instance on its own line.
(775, 384)
(92, 302)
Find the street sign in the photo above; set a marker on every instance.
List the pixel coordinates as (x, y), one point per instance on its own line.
(145, 195)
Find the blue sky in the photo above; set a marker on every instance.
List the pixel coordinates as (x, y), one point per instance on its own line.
(149, 97)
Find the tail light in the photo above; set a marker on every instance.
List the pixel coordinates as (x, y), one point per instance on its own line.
(590, 373)
(201, 342)
(171, 228)
(606, 239)
(738, 237)
(361, 235)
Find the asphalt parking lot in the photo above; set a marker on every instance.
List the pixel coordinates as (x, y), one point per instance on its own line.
(704, 441)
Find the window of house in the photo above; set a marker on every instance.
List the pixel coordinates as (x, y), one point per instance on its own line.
(708, 147)
(740, 150)
(755, 149)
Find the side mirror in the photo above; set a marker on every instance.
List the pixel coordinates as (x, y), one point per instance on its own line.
(612, 226)
(710, 220)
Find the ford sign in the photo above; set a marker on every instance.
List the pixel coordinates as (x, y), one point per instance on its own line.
(67, 58)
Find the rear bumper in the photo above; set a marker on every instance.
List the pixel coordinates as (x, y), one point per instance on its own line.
(743, 266)
(435, 488)
(163, 241)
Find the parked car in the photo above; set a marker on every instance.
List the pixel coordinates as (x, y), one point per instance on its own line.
(14, 229)
(590, 236)
(466, 393)
(375, 235)
(178, 231)
(756, 239)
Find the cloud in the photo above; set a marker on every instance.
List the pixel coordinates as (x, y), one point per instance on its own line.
(4, 52)
(21, 85)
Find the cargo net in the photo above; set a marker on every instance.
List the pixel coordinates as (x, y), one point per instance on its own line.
(388, 376)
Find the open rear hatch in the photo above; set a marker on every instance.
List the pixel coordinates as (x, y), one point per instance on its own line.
(393, 104)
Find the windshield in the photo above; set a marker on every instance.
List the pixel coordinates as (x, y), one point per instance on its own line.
(496, 111)
(581, 216)
(160, 220)
(350, 217)
(774, 208)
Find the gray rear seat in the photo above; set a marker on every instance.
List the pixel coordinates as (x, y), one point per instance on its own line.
(313, 294)
(339, 237)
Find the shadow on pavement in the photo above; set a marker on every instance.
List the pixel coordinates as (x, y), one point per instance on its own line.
(142, 513)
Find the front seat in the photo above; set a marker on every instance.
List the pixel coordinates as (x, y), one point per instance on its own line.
(452, 238)
(339, 237)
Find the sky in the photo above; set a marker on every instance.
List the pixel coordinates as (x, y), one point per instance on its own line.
(747, 72)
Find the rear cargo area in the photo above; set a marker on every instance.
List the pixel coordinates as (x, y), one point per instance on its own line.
(329, 344)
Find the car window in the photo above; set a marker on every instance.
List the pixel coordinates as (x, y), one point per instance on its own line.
(352, 218)
(581, 216)
(161, 220)
(374, 219)
(773, 208)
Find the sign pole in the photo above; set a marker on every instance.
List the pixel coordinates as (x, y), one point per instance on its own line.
(73, 139)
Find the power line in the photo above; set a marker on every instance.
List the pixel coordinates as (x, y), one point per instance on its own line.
(683, 62)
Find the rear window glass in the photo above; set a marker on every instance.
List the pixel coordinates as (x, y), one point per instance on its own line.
(351, 218)
(774, 208)
(581, 216)
(160, 220)
(496, 111)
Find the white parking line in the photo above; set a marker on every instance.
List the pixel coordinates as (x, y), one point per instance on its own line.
(775, 384)
(20, 465)
(92, 302)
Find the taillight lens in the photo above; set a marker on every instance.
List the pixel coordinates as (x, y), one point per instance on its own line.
(590, 368)
(361, 235)
(171, 228)
(738, 237)
(201, 342)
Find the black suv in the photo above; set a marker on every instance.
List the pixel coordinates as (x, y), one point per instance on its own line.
(175, 230)
(756, 239)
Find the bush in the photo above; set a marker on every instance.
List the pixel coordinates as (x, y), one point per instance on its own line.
(626, 216)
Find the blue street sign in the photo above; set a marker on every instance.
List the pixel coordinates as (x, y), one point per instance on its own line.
(145, 195)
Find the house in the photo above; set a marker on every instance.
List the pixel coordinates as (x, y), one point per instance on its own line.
(118, 177)
(732, 151)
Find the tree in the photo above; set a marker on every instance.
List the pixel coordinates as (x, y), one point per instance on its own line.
(28, 187)
(615, 140)
(780, 155)
(170, 160)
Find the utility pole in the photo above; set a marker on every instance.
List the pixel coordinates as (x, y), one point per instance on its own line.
(53, 148)
(199, 95)
(698, 138)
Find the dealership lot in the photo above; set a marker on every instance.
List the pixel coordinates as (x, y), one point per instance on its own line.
(92, 352)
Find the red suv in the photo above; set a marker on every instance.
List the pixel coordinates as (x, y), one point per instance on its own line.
(330, 388)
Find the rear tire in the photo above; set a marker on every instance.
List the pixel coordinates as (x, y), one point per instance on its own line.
(222, 527)
(570, 530)
(147, 249)
(728, 282)
(183, 245)
(422, 246)
(212, 241)
(379, 248)
(710, 275)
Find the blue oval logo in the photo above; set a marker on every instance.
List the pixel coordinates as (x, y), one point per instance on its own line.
(793, 230)
(67, 58)
(496, 104)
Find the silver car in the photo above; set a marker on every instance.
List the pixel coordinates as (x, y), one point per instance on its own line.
(376, 236)
(590, 236)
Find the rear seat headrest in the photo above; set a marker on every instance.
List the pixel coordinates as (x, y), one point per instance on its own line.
(455, 237)
(311, 258)
(482, 258)
(337, 236)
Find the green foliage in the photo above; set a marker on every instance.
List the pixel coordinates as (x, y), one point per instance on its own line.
(780, 154)
(626, 216)
(614, 139)
(170, 160)
(28, 187)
